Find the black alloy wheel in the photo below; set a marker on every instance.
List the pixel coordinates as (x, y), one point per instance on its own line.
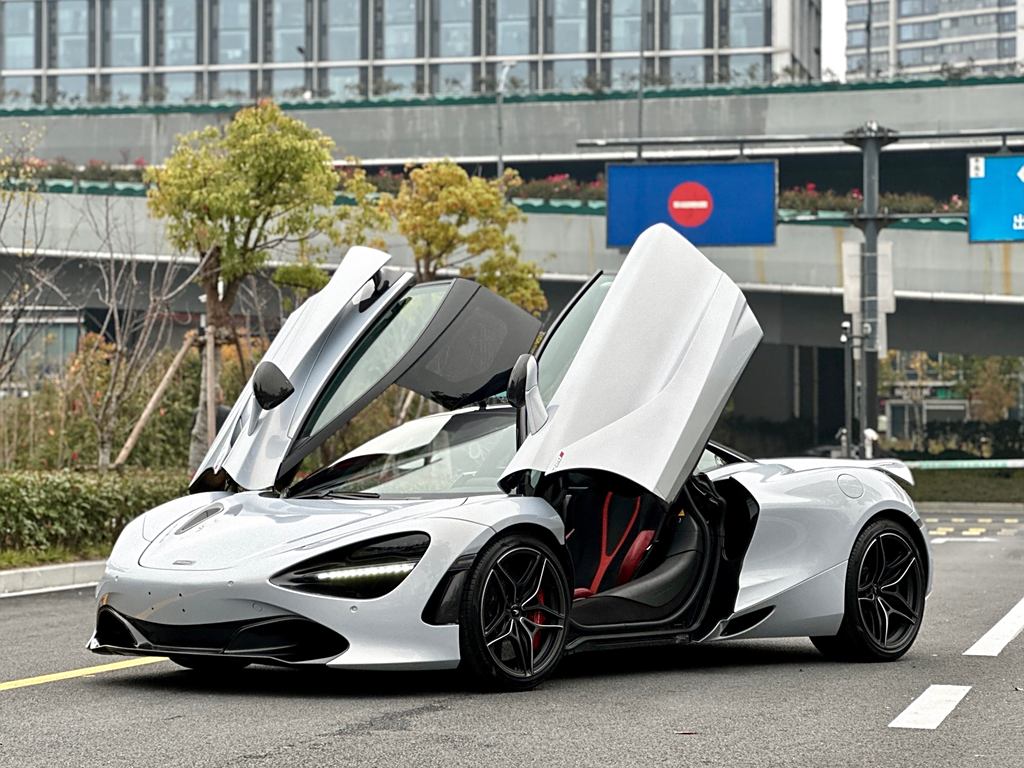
(514, 614)
(885, 596)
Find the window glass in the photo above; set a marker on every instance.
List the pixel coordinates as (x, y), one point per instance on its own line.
(231, 85)
(180, 31)
(18, 90)
(287, 83)
(457, 454)
(569, 26)
(72, 33)
(123, 89)
(745, 69)
(560, 347)
(686, 25)
(568, 75)
(399, 29)
(178, 87)
(19, 30)
(748, 23)
(344, 30)
(124, 35)
(687, 70)
(344, 83)
(396, 81)
(382, 347)
(623, 74)
(289, 34)
(453, 79)
(625, 24)
(513, 27)
(233, 31)
(455, 28)
(69, 89)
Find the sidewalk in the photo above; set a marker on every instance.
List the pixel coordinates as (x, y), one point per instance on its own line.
(50, 578)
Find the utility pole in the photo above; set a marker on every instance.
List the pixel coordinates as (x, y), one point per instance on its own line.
(870, 138)
(506, 67)
(846, 338)
(868, 71)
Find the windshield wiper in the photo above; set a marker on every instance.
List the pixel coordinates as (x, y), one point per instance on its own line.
(331, 494)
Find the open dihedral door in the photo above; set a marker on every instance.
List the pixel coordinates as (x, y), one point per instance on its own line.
(651, 375)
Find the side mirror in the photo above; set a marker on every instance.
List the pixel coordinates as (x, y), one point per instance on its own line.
(524, 392)
(270, 386)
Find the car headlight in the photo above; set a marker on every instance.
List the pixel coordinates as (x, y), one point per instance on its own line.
(360, 571)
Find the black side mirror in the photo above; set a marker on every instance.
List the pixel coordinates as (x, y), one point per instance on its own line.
(524, 392)
(270, 386)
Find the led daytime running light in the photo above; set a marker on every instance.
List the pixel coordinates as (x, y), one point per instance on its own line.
(365, 572)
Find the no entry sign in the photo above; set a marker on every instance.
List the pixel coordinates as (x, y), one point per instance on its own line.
(690, 204)
(710, 203)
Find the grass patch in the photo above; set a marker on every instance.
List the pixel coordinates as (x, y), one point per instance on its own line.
(968, 485)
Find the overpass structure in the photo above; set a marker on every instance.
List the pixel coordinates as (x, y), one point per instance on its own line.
(951, 296)
(544, 128)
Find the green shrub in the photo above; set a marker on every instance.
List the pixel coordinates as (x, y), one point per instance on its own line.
(78, 511)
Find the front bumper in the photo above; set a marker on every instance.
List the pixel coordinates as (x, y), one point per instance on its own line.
(237, 612)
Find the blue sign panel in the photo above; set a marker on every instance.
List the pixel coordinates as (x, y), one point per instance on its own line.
(709, 203)
(995, 196)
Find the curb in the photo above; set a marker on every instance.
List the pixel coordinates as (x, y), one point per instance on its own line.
(970, 507)
(50, 578)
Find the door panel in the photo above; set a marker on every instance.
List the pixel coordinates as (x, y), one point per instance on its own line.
(652, 373)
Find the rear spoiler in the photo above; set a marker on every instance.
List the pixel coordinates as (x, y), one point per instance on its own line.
(893, 467)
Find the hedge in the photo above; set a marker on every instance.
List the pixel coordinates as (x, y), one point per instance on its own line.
(76, 510)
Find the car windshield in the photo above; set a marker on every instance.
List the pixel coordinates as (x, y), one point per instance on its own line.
(450, 454)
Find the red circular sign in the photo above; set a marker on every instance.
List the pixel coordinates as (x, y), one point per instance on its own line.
(690, 204)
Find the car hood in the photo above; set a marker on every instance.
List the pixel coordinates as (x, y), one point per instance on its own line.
(235, 528)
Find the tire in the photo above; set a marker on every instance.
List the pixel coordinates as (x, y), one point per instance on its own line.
(513, 615)
(211, 664)
(885, 597)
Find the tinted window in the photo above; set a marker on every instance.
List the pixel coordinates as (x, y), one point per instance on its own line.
(565, 338)
(377, 353)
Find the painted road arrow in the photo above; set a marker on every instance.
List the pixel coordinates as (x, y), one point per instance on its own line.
(1020, 173)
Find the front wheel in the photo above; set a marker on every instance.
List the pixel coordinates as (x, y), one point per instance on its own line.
(514, 614)
(885, 592)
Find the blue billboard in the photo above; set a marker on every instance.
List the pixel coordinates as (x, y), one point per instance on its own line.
(995, 198)
(710, 203)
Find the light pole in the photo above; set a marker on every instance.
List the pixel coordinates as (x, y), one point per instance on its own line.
(506, 67)
(640, 81)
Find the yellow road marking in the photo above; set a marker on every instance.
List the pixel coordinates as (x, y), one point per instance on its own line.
(1010, 520)
(931, 519)
(84, 672)
(958, 519)
(1008, 532)
(984, 519)
(973, 532)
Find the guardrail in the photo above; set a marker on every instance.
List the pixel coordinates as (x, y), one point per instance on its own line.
(966, 464)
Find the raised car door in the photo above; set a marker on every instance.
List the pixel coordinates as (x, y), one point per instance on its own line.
(452, 341)
(637, 393)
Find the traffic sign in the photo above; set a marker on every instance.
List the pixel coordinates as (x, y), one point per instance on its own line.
(995, 194)
(710, 203)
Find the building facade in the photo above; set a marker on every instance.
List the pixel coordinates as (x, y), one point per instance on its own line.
(130, 51)
(915, 38)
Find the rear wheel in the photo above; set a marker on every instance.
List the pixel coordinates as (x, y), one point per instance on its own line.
(214, 664)
(885, 591)
(514, 614)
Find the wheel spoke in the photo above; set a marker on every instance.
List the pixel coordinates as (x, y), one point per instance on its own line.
(534, 591)
(503, 636)
(905, 563)
(895, 605)
(534, 627)
(506, 582)
(547, 610)
(883, 616)
(522, 643)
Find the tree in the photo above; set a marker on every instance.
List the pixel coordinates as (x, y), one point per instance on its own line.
(233, 195)
(451, 219)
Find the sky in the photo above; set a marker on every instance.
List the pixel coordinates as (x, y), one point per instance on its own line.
(833, 37)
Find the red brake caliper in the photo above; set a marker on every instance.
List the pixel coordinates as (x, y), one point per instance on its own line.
(537, 617)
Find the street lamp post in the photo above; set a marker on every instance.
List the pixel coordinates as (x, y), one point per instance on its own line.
(640, 81)
(506, 67)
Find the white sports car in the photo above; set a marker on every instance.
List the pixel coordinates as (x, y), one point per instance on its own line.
(591, 513)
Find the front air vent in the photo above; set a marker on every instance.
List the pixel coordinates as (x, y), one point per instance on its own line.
(199, 517)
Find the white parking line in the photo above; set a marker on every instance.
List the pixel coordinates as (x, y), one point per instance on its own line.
(928, 710)
(972, 540)
(997, 638)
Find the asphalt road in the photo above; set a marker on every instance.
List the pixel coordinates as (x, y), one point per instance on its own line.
(746, 703)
